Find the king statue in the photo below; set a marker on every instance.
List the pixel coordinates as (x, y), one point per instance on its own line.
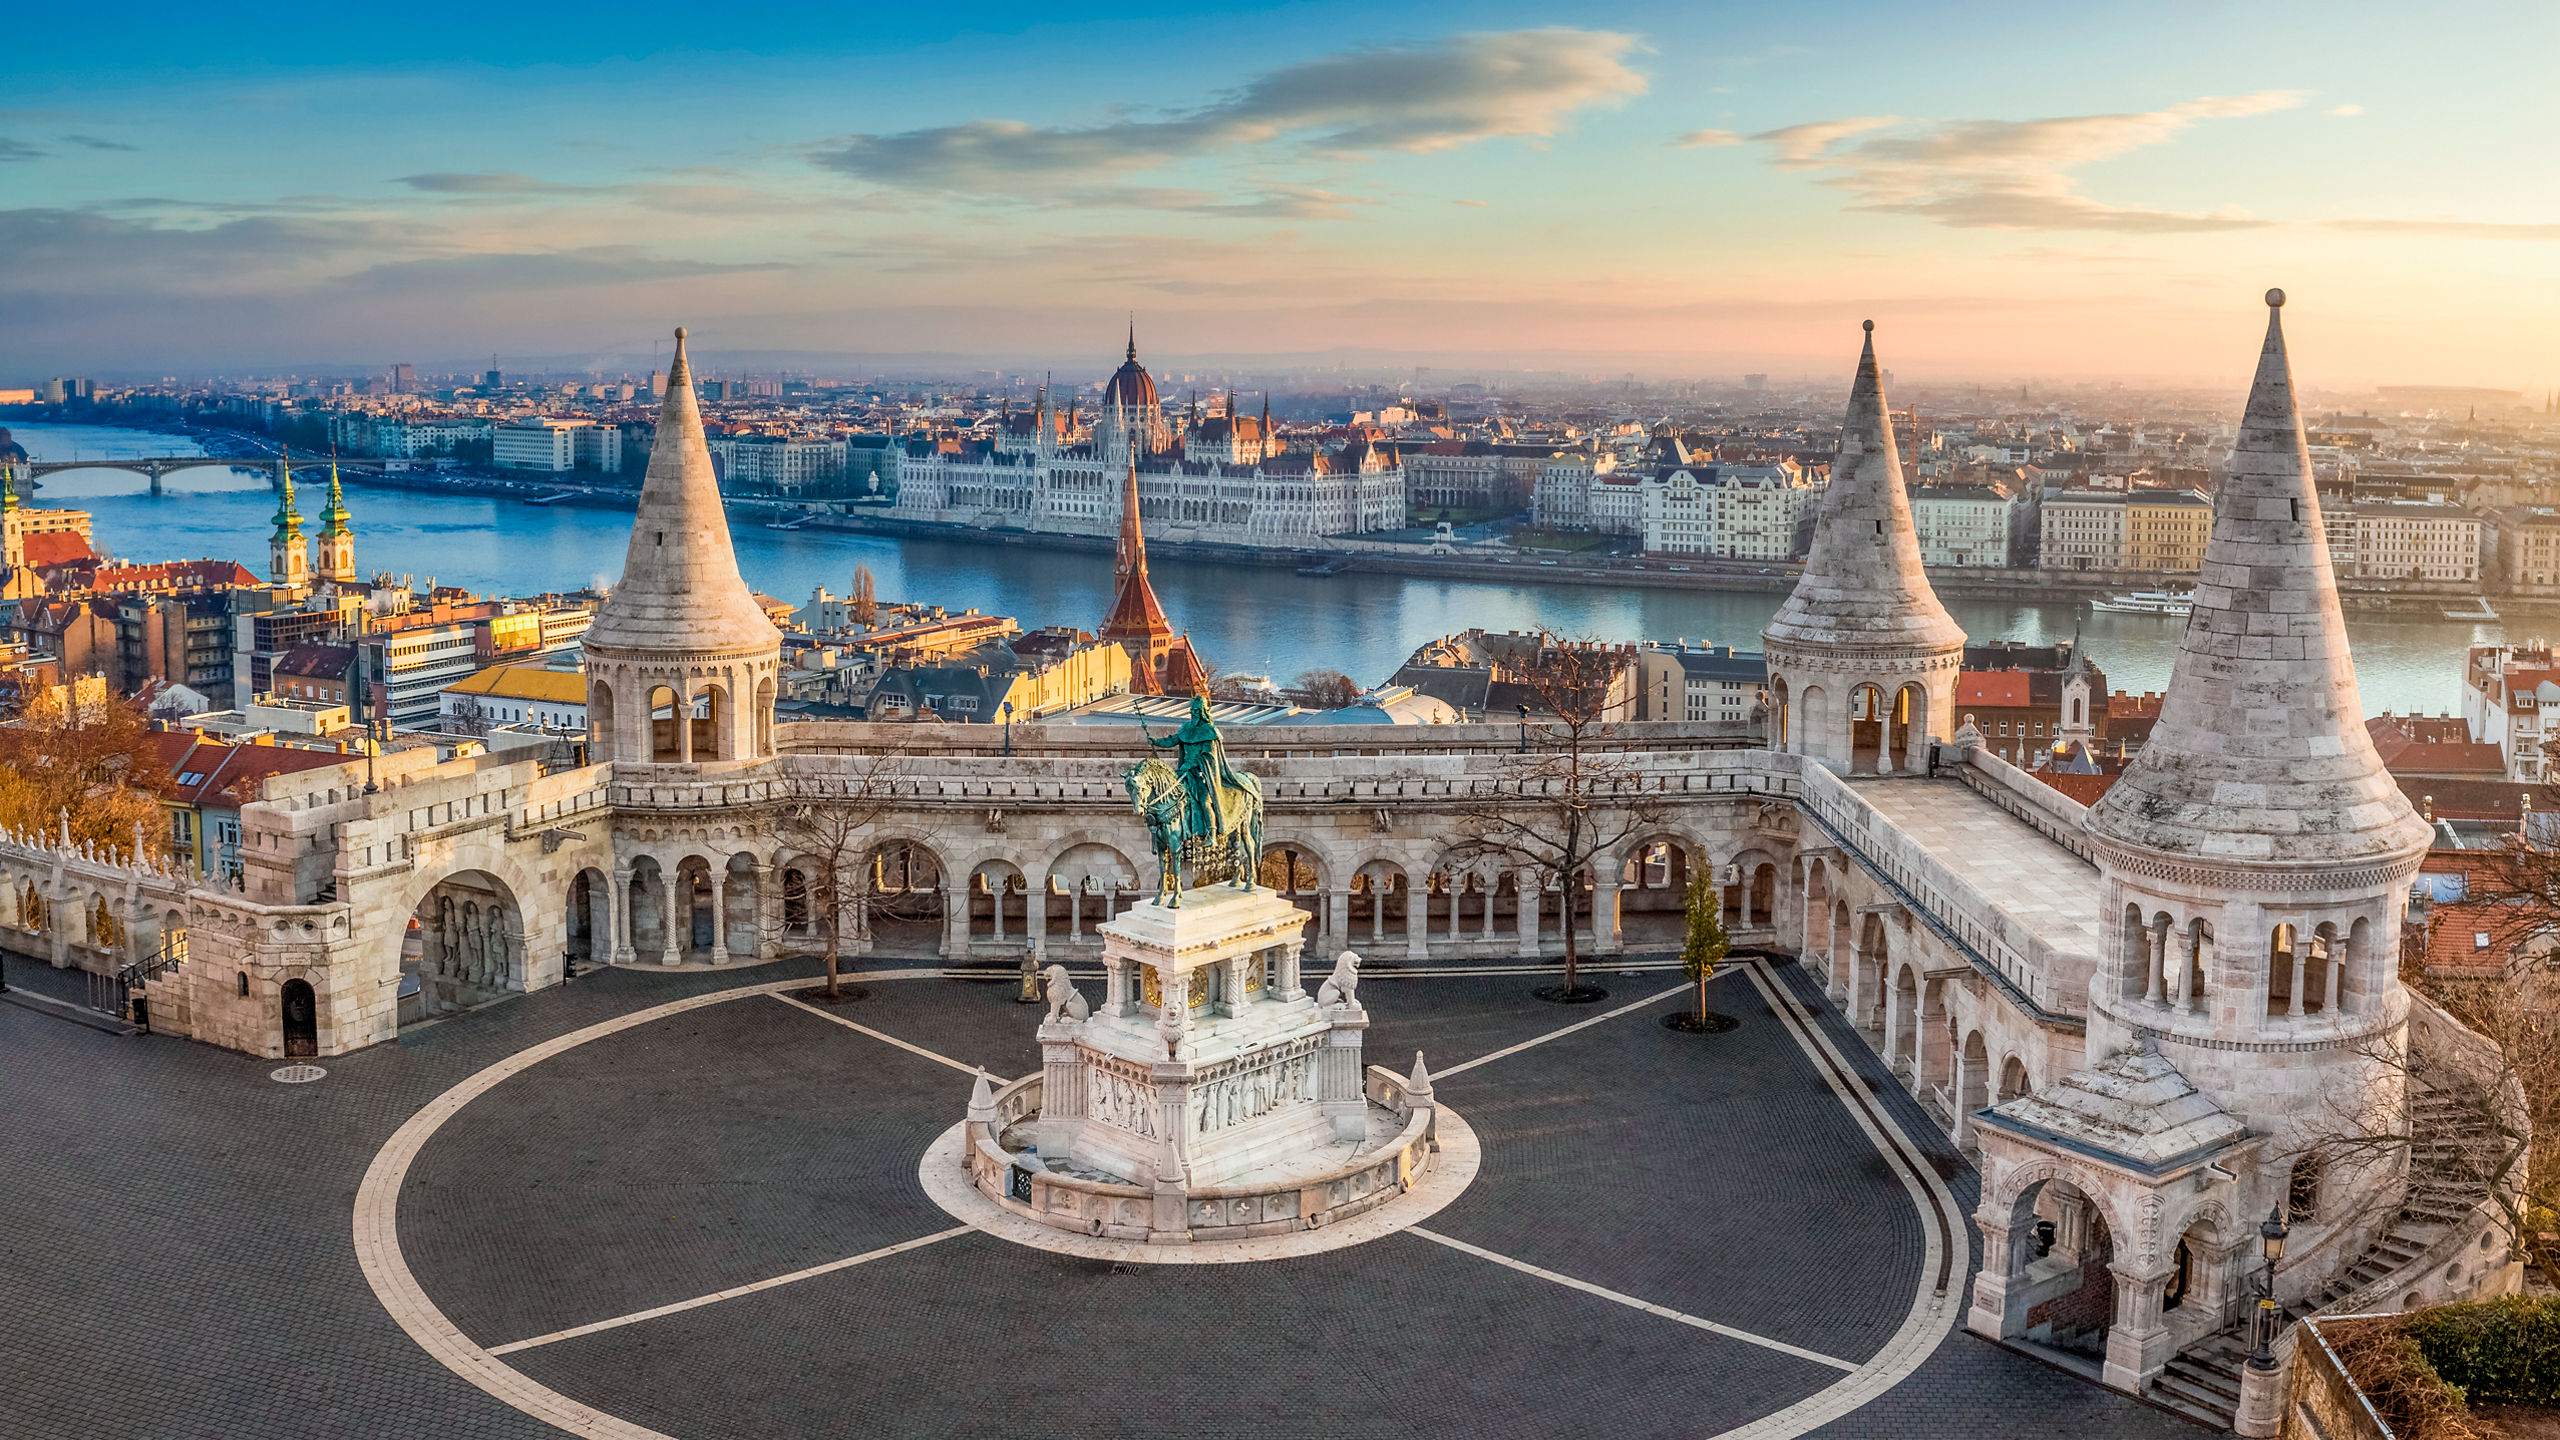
(1200, 810)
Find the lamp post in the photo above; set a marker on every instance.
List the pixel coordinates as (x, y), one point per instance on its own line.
(1030, 973)
(1008, 727)
(2271, 1235)
(1524, 729)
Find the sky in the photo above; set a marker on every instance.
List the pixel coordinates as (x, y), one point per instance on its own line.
(1694, 190)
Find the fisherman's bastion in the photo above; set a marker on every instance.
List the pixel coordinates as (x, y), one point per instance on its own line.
(2005, 1065)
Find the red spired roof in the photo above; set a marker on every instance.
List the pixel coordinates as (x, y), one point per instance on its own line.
(1991, 689)
(1135, 614)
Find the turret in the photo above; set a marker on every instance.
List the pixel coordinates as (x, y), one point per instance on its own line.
(288, 554)
(681, 662)
(337, 538)
(1862, 657)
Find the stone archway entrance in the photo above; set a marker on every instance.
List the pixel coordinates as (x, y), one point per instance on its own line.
(470, 943)
(301, 1020)
(2060, 1291)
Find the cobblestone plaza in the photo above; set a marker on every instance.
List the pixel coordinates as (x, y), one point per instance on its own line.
(1754, 1258)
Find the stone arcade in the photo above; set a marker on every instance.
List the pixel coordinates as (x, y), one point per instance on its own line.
(2128, 1013)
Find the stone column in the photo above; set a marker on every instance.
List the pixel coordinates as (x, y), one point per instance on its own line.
(1961, 1119)
(995, 895)
(617, 920)
(1338, 1082)
(2137, 1340)
(1532, 910)
(1492, 885)
(1894, 1020)
(720, 918)
(1606, 926)
(1035, 918)
(1290, 986)
(1062, 1075)
(1990, 1313)
(1337, 920)
(2301, 961)
(2155, 950)
(955, 921)
(768, 912)
(1075, 912)
(670, 954)
(1417, 921)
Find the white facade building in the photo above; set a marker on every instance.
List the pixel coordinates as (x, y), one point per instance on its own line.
(1962, 525)
(2416, 540)
(1679, 514)
(2083, 530)
(536, 444)
(1760, 509)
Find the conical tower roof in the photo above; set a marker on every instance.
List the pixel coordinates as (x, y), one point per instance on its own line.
(288, 520)
(1134, 613)
(680, 588)
(2260, 753)
(333, 520)
(1863, 587)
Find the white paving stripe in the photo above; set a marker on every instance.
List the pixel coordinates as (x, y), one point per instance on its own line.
(886, 1039)
(1682, 988)
(734, 1292)
(1632, 1303)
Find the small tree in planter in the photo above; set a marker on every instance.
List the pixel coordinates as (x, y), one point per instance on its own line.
(1700, 954)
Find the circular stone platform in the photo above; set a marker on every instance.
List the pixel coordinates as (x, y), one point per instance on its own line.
(945, 1179)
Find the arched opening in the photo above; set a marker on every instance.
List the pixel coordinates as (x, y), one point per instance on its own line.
(1380, 905)
(2285, 957)
(742, 908)
(1291, 871)
(904, 904)
(1778, 716)
(1815, 945)
(1910, 723)
(999, 903)
(1653, 890)
(2302, 1189)
(2060, 1292)
(590, 907)
(1763, 896)
(696, 910)
(1973, 1090)
(1090, 883)
(470, 943)
(1813, 724)
(1867, 1000)
(2189, 997)
(599, 720)
(710, 719)
(301, 1015)
(2013, 1080)
(764, 717)
(666, 741)
(1842, 935)
(651, 938)
(2320, 971)
(1866, 730)
(1902, 1033)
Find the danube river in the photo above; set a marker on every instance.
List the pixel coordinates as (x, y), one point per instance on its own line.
(1262, 621)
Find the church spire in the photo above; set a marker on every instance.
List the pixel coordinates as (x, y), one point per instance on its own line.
(1133, 335)
(2260, 753)
(8, 488)
(333, 520)
(337, 544)
(1137, 622)
(288, 554)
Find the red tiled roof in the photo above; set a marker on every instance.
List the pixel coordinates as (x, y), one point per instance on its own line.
(1991, 687)
(57, 547)
(2084, 788)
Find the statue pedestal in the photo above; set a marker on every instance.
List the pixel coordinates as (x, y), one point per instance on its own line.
(1208, 1097)
(1206, 1057)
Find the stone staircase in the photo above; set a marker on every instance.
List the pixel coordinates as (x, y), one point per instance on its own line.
(2203, 1380)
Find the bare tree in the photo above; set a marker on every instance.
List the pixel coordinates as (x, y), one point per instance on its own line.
(836, 822)
(2474, 1116)
(467, 717)
(865, 603)
(1326, 689)
(1569, 799)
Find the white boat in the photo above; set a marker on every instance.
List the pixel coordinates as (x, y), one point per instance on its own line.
(2483, 612)
(2172, 604)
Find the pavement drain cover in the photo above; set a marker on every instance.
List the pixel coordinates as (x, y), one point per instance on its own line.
(296, 1074)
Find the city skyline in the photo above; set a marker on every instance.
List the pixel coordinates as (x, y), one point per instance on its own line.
(1643, 189)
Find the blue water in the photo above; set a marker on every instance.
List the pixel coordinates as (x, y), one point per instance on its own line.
(1263, 621)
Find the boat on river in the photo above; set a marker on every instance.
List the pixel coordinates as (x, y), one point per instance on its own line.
(2168, 604)
(2480, 611)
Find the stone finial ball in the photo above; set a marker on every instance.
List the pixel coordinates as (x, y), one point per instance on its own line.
(679, 332)
(1870, 326)
(2275, 299)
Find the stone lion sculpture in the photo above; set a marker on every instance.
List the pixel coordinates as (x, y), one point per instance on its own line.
(1065, 1001)
(1343, 985)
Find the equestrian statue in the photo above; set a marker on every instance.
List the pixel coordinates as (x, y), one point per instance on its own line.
(1204, 814)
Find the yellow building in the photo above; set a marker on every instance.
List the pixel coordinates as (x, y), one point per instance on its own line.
(2166, 530)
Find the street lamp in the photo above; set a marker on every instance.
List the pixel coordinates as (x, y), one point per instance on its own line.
(1008, 727)
(1030, 970)
(2271, 1235)
(1524, 729)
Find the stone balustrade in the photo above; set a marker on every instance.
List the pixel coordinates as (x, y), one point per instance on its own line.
(1235, 1212)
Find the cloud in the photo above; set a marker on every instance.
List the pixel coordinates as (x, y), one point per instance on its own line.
(2006, 174)
(1472, 204)
(2457, 229)
(492, 182)
(2346, 109)
(17, 150)
(1706, 139)
(92, 142)
(1408, 99)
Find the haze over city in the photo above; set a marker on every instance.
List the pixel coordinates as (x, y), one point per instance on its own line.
(1664, 189)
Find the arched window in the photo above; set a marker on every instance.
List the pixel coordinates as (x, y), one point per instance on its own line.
(2302, 1190)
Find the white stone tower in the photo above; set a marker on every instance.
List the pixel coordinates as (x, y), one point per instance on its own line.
(1862, 657)
(681, 663)
(2255, 858)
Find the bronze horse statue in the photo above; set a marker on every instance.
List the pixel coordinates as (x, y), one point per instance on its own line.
(1156, 794)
